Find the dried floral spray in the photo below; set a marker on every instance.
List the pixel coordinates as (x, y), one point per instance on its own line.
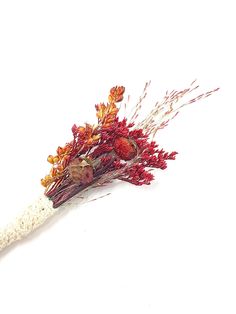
(113, 149)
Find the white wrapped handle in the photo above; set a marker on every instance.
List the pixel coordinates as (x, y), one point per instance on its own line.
(30, 219)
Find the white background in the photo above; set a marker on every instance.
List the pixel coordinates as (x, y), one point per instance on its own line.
(167, 248)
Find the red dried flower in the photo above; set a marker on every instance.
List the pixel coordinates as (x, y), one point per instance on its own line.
(125, 148)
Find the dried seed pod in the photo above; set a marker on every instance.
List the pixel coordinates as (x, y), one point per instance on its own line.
(80, 171)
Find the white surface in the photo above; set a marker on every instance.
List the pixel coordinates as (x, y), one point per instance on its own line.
(168, 248)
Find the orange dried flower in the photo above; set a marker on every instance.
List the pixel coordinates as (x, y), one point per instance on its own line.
(116, 94)
(106, 114)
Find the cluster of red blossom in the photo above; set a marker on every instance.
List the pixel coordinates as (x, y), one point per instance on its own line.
(123, 147)
(98, 154)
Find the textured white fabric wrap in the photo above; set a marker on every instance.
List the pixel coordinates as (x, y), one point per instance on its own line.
(30, 219)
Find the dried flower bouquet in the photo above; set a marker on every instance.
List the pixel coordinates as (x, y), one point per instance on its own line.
(113, 149)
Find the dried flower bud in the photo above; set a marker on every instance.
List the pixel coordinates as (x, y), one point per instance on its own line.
(80, 171)
(50, 159)
(116, 94)
(125, 148)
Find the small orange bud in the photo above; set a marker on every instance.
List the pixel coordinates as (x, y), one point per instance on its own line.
(81, 129)
(46, 180)
(110, 99)
(116, 94)
(60, 150)
(90, 141)
(96, 137)
(43, 182)
(50, 159)
(55, 159)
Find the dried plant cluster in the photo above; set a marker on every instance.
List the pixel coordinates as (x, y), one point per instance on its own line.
(114, 148)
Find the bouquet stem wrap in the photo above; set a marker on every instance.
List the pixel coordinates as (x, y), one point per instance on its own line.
(27, 221)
